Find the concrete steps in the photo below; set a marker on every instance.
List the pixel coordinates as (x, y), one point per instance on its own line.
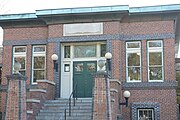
(54, 110)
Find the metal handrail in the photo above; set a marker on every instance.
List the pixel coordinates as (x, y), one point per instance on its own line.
(74, 95)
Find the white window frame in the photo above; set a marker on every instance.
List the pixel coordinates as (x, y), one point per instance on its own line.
(35, 54)
(146, 110)
(155, 49)
(19, 54)
(133, 50)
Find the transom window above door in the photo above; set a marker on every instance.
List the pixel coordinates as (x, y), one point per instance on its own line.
(84, 50)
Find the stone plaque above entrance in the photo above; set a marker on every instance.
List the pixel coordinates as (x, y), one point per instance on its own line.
(82, 29)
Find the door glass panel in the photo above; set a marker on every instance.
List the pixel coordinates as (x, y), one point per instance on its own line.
(79, 67)
(91, 67)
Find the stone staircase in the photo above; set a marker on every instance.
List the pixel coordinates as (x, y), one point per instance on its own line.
(54, 110)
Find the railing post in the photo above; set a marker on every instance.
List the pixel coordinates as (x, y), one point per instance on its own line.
(70, 106)
(73, 98)
(76, 91)
(65, 114)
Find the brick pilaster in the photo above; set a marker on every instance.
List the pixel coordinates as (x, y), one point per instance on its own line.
(15, 108)
(101, 95)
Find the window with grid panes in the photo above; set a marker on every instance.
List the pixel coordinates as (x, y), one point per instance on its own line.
(19, 55)
(133, 61)
(155, 60)
(39, 63)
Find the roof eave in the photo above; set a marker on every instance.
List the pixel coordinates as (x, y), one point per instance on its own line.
(155, 9)
(84, 10)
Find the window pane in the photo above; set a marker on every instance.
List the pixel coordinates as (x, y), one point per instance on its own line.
(85, 51)
(155, 44)
(133, 45)
(39, 49)
(21, 60)
(39, 75)
(79, 67)
(20, 49)
(133, 59)
(103, 50)
(155, 73)
(155, 58)
(39, 62)
(133, 73)
(145, 114)
(66, 51)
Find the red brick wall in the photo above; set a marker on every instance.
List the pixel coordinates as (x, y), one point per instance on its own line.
(7, 57)
(144, 60)
(55, 31)
(28, 63)
(34, 33)
(3, 101)
(114, 85)
(111, 27)
(116, 59)
(100, 110)
(1, 54)
(49, 62)
(16, 101)
(169, 60)
(153, 27)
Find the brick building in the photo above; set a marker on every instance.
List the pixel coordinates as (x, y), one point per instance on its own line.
(142, 42)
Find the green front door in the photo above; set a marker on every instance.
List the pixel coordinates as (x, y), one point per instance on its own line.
(83, 77)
